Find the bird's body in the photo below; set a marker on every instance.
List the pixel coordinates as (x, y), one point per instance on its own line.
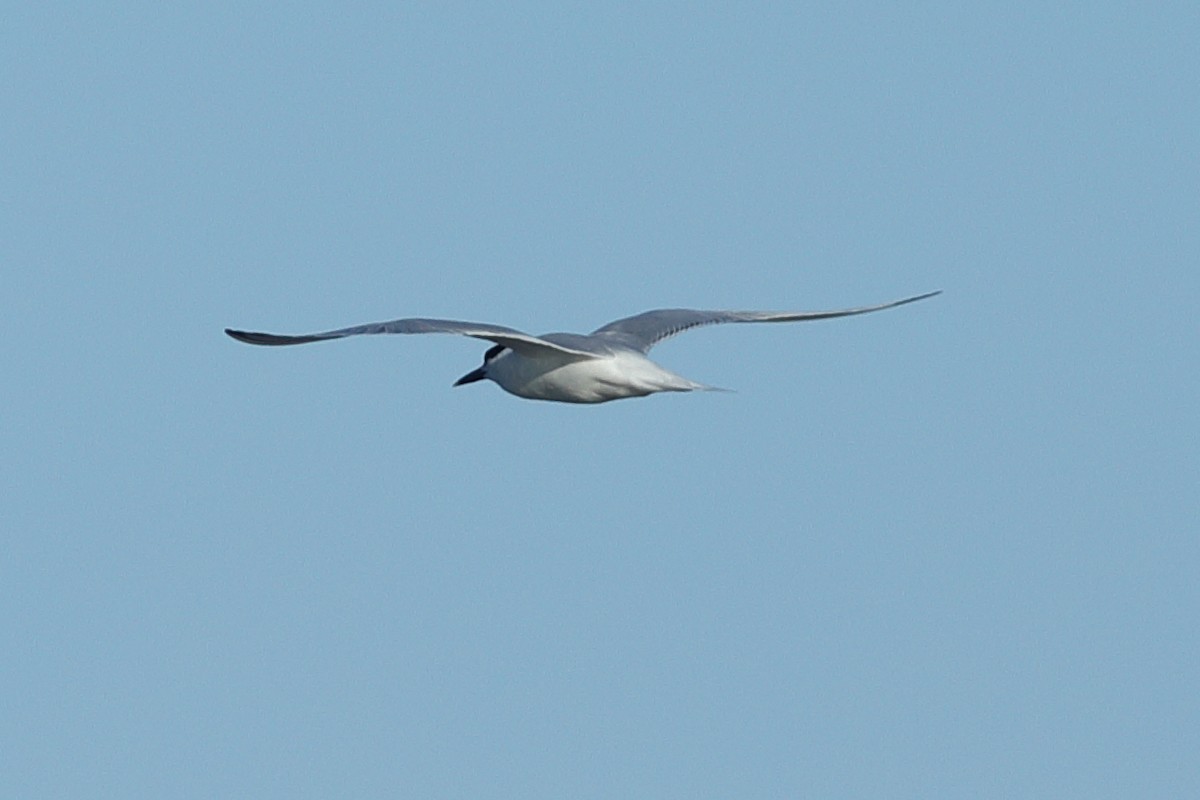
(607, 364)
(616, 373)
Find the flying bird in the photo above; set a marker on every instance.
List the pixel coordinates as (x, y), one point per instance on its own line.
(609, 363)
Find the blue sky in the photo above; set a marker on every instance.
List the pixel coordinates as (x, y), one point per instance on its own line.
(949, 550)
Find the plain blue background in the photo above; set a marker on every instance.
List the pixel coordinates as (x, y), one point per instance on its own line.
(948, 550)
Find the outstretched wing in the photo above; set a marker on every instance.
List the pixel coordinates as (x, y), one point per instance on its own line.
(651, 327)
(523, 343)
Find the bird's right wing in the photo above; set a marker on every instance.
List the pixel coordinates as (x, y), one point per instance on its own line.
(645, 330)
(522, 343)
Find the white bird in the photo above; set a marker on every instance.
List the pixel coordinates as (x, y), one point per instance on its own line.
(607, 364)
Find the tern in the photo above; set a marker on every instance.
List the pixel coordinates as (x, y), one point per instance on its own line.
(609, 363)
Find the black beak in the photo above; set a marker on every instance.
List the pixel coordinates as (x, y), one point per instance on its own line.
(471, 377)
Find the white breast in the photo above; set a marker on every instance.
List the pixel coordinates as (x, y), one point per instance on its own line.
(594, 380)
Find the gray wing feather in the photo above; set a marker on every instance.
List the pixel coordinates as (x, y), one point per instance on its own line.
(645, 330)
(522, 343)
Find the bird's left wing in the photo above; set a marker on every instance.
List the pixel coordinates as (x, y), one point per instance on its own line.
(523, 343)
(645, 330)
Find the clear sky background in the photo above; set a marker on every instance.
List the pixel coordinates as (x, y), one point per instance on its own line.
(948, 550)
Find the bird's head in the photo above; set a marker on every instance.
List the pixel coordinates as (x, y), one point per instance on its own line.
(482, 372)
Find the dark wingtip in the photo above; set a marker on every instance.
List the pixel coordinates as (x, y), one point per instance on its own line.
(241, 336)
(253, 337)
